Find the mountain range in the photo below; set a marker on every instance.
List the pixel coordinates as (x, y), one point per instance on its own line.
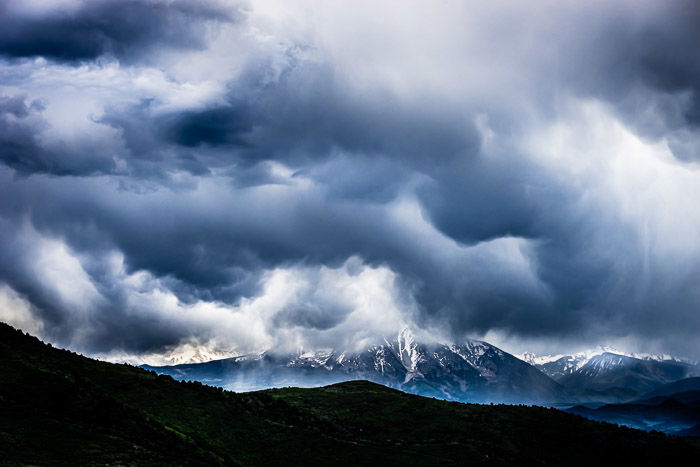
(470, 371)
(473, 371)
(608, 375)
(62, 409)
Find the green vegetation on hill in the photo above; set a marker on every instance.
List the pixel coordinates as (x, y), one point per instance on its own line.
(59, 408)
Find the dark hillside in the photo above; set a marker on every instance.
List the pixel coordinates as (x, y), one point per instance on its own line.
(59, 408)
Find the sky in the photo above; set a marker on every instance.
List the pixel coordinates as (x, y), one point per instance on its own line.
(239, 176)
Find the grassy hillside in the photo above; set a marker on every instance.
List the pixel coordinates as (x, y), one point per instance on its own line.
(58, 408)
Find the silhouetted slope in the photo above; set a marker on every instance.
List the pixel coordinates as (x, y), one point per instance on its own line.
(58, 408)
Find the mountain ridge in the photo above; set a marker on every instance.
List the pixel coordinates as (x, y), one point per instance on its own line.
(471, 371)
(610, 376)
(474, 371)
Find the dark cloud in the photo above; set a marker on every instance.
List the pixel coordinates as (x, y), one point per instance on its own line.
(313, 167)
(21, 130)
(305, 117)
(85, 30)
(644, 63)
(215, 127)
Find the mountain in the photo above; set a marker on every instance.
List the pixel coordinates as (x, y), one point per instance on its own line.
(683, 385)
(61, 409)
(558, 366)
(562, 366)
(690, 398)
(607, 375)
(619, 377)
(474, 371)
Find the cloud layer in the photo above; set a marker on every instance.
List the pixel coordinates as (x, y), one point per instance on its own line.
(253, 175)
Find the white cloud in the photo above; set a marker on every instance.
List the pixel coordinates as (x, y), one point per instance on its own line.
(17, 312)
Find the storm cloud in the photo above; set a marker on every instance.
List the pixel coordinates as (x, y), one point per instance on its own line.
(248, 175)
(75, 31)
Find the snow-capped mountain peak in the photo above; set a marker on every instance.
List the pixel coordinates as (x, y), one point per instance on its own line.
(469, 371)
(606, 373)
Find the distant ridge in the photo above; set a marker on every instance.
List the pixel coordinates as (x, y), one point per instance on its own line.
(607, 375)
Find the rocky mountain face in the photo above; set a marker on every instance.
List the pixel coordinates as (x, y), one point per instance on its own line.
(473, 371)
(559, 367)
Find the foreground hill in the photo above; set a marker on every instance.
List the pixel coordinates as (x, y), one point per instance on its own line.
(473, 371)
(58, 408)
